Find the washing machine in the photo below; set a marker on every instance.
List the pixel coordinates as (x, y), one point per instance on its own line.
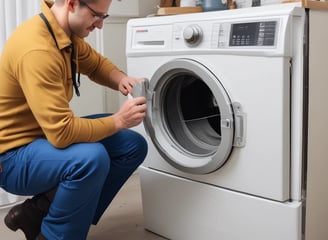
(226, 122)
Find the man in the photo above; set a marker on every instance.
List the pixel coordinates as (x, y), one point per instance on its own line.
(74, 166)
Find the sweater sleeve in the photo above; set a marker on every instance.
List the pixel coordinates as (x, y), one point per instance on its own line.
(45, 79)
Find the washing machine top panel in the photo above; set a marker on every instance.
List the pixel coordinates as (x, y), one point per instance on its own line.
(242, 31)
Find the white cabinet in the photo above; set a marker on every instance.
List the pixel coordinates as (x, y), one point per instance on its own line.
(133, 8)
(114, 34)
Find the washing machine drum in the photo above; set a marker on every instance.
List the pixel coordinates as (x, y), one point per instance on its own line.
(190, 118)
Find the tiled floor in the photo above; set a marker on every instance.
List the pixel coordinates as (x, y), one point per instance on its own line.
(123, 220)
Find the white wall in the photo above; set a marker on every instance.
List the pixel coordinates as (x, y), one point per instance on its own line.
(14, 12)
(317, 165)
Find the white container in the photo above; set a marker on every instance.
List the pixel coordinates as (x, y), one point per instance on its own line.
(187, 3)
(133, 8)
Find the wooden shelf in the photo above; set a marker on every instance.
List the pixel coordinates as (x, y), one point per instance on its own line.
(315, 4)
(177, 10)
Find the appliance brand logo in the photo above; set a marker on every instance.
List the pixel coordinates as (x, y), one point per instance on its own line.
(143, 30)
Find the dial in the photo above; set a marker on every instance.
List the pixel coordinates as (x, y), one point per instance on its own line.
(193, 34)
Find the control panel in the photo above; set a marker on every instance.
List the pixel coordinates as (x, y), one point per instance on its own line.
(255, 36)
(261, 34)
(224, 35)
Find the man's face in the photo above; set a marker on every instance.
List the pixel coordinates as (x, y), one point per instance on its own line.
(88, 16)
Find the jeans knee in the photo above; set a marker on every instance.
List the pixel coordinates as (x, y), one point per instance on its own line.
(93, 161)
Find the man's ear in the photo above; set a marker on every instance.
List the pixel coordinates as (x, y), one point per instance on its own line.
(71, 4)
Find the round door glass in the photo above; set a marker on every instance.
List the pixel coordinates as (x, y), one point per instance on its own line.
(191, 118)
(192, 115)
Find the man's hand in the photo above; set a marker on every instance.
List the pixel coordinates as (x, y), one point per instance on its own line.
(126, 84)
(131, 113)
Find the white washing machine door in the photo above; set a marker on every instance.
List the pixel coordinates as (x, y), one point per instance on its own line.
(190, 118)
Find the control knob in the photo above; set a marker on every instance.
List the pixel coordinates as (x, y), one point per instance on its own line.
(192, 34)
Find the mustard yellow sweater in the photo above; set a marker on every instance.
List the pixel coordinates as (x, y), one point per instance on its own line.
(36, 86)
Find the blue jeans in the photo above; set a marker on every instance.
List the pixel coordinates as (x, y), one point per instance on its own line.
(88, 176)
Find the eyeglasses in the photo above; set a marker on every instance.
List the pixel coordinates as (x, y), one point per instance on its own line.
(96, 15)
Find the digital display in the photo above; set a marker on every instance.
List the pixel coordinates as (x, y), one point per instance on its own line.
(253, 34)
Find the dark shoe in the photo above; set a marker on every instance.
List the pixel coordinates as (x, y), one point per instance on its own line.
(28, 215)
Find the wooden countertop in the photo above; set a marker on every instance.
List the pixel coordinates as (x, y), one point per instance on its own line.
(315, 4)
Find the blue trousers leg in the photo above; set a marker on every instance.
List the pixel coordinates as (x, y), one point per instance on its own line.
(79, 171)
(127, 150)
(123, 164)
(88, 176)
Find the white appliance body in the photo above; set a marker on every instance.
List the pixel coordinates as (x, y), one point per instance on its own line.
(224, 122)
